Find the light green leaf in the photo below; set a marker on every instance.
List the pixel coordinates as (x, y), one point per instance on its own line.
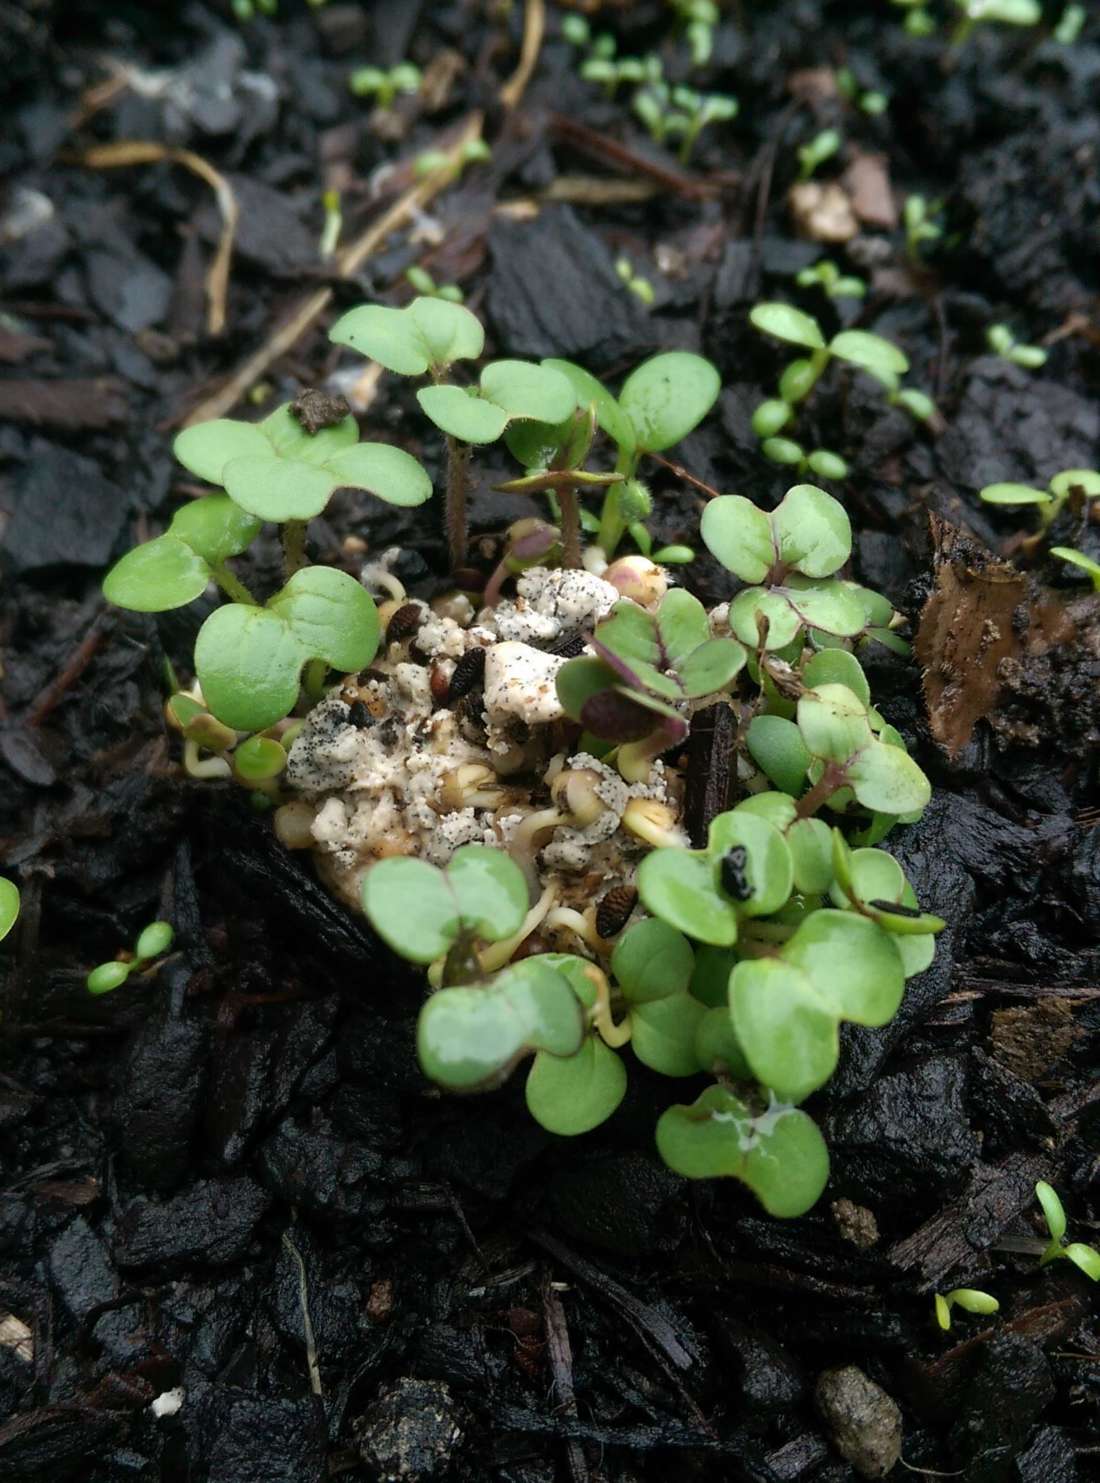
(524, 390)
(886, 779)
(1085, 479)
(837, 667)
(871, 353)
(390, 473)
(158, 575)
(811, 855)
(1013, 494)
(427, 333)
(462, 414)
(278, 489)
(711, 667)
(678, 886)
(789, 324)
(1053, 1210)
(214, 527)
(853, 966)
(424, 933)
(812, 531)
(833, 722)
(331, 616)
(9, 906)
(206, 448)
(717, 1048)
(769, 870)
(788, 1034)
(590, 392)
(291, 440)
(248, 661)
(667, 396)
(572, 1095)
(777, 748)
(490, 890)
(662, 1034)
(651, 961)
(740, 536)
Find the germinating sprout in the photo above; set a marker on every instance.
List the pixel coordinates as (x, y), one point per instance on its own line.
(384, 84)
(152, 943)
(9, 906)
(698, 18)
(423, 282)
(1003, 342)
(826, 275)
(870, 102)
(969, 1299)
(920, 229)
(640, 287)
(681, 113)
(1085, 1258)
(1080, 485)
(820, 148)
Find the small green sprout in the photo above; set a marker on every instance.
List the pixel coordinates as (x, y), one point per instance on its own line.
(681, 113)
(640, 287)
(384, 84)
(423, 282)
(1008, 12)
(633, 692)
(826, 275)
(919, 21)
(153, 943)
(334, 221)
(1073, 485)
(820, 148)
(698, 18)
(1085, 1258)
(1071, 24)
(9, 906)
(872, 103)
(920, 229)
(969, 1299)
(473, 152)
(576, 30)
(1081, 561)
(1003, 342)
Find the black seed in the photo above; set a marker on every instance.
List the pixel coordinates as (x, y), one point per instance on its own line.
(569, 646)
(317, 409)
(467, 675)
(358, 715)
(897, 908)
(404, 622)
(614, 910)
(735, 882)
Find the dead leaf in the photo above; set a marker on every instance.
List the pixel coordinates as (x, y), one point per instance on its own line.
(867, 181)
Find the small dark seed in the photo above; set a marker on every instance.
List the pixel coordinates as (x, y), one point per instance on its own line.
(358, 715)
(569, 646)
(614, 910)
(735, 882)
(468, 673)
(317, 409)
(404, 622)
(896, 908)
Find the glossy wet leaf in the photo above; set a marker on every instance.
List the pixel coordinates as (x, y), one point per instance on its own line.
(662, 1034)
(871, 353)
(777, 748)
(427, 333)
(667, 396)
(768, 869)
(572, 1095)
(789, 324)
(9, 906)
(471, 1037)
(678, 886)
(779, 1154)
(651, 961)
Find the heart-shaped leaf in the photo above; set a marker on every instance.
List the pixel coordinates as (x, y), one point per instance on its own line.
(427, 334)
(788, 1034)
(248, 661)
(780, 1155)
(158, 575)
(662, 1034)
(508, 389)
(801, 602)
(420, 910)
(740, 536)
(468, 1038)
(717, 1048)
(206, 448)
(681, 625)
(812, 531)
(789, 324)
(390, 473)
(490, 890)
(571, 1095)
(291, 439)
(652, 961)
(852, 964)
(279, 489)
(667, 396)
(678, 886)
(871, 353)
(837, 667)
(332, 617)
(766, 871)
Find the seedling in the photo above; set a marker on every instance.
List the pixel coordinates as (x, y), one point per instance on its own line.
(681, 113)
(1081, 561)
(152, 943)
(870, 353)
(920, 229)
(1008, 12)
(473, 152)
(698, 18)
(969, 1299)
(827, 275)
(249, 656)
(640, 287)
(9, 906)
(648, 666)
(334, 221)
(604, 67)
(919, 21)
(1085, 1258)
(423, 282)
(384, 84)
(820, 148)
(872, 103)
(1071, 25)
(1081, 485)
(427, 338)
(1003, 342)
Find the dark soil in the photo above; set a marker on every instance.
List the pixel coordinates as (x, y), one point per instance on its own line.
(190, 1165)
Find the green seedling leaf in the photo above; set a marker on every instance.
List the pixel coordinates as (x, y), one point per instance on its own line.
(572, 1095)
(853, 965)
(780, 1155)
(509, 389)
(663, 1031)
(1053, 1211)
(837, 667)
(717, 1049)
(1085, 1258)
(1087, 480)
(711, 979)
(1080, 560)
(1013, 495)
(158, 575)
(108, 977)
(419, 910)
(833, 722)
(156, 939)
(887, 780)
(808, 532)
(800, 603)
(764, 876)
(214, 527)
(590, 392)
(682, 626)
(875, 882)
(810, 844)
(331, 615)
(652, 961)
(9, 906)
(206, 448)
(468, 1038)
(279, 489)
(788, 1035)
(538, 445)
(789, 324)
(711, 667)
(428, 334)
(678, 886)
(777, 748)
(871, 353)
(667, 396)
(390, 473)
(739, 535)
(291, 440)
(259, 760)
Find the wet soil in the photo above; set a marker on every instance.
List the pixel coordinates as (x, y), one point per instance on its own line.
(231, 1181)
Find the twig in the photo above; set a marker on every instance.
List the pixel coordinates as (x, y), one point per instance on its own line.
(682, 473)
(146, 152)
(534, 25)
(78, 662)
(609, 150)
(561, 1368)
(350, 260)
(307, 1322)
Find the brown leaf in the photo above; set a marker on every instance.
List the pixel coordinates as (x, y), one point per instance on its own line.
(867, 181)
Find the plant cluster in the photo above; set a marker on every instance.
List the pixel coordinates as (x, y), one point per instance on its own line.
(152, 943)
(383, 84)
(473, 152)
(870, 353)
(680, 113)
(756, 948)
(1076, 487)
(870, 101)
